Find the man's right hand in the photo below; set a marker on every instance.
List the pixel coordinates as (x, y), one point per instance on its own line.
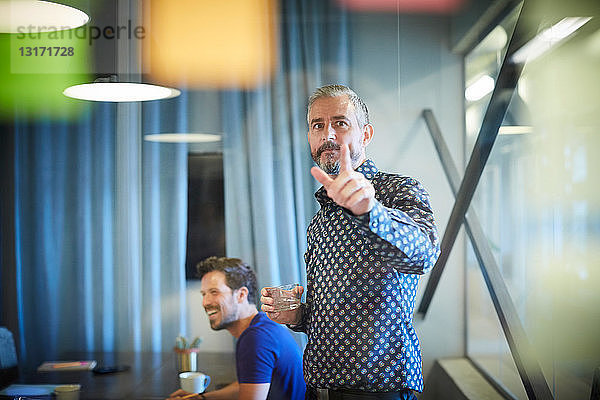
(182, 394)
(291, 317)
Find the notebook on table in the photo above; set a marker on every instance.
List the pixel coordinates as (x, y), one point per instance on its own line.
(29, 391)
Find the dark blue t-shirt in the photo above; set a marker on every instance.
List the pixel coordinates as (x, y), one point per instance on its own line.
(267, 353)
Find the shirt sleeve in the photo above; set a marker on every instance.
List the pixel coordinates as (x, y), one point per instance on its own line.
(255, 358)
(401, 227)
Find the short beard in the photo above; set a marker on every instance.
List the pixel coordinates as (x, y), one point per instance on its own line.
(226, 320)
(331, 165)
(223, 324)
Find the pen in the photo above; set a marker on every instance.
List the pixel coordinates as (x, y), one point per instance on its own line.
(68, 364)
(187, 396)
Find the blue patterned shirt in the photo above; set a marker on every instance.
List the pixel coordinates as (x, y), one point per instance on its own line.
(362, 275)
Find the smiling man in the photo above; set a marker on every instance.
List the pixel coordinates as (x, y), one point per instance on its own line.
(268, 360)
(367, 245)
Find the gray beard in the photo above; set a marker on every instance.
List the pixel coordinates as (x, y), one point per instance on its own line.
(331, 166)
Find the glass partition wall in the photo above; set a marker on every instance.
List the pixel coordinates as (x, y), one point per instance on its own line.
(539, 205)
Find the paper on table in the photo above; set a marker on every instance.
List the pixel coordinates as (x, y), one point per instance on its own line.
(67, 366)
(28, 390)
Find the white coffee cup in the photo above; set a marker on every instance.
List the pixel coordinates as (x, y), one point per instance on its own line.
(67, 392)
(194, 382)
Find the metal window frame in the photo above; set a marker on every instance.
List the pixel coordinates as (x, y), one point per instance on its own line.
(524, 357)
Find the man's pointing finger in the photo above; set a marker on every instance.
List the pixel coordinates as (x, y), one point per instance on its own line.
(345, 160)
(321, 176)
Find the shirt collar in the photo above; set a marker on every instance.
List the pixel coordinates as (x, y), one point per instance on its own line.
(367, 168)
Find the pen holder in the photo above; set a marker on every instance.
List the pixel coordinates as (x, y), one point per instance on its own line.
(186, 360)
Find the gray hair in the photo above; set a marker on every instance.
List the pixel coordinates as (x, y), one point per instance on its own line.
(360, 108)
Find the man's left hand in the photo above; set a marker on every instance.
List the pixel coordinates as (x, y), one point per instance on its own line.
(349, 189)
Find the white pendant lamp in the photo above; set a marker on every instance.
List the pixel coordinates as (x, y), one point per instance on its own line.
(183, 137)
(108, 89)
(33, 17)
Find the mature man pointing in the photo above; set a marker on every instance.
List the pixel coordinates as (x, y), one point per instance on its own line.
(367, 246)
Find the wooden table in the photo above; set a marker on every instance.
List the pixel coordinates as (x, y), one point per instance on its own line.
(151, 375)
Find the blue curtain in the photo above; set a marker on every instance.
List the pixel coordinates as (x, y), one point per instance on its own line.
(101, 215)
(269, 192)
(100, 231)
